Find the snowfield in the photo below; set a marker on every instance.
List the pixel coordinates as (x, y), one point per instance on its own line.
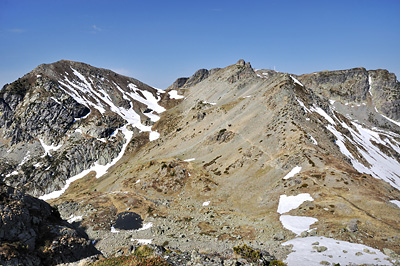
(288, 203)
(297, 224)
(293, 172)
(314, 251)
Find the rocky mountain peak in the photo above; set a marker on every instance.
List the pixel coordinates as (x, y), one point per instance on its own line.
(238, 155)
(73, 110)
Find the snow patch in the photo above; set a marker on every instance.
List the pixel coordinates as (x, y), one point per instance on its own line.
(293, 172)
(98, 168)
(154, 135)
(206, 203)
(83, 117)
(173, 94)
(25, 159)
(57, 101)
(113, 230)
(313, 140)
(387, 118)
(297, 224)
(37, 165)
(296, 81)
(303, 105)
(288, 203)
(320, 111)
(380, 166)
(189, 160)
(342, 252)
(48, 148)
(73, 218)
(397, 202)
(145, 227)
(12, 173)
(369, 85)
(142, 241)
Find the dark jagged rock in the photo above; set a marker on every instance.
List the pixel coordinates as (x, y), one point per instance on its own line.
(197, 77)
(32, 232)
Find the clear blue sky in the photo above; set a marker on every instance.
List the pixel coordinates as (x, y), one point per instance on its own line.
(159, 41)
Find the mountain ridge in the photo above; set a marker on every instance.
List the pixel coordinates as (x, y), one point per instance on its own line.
(234, 145)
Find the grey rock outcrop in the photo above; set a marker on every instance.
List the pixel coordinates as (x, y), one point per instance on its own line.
(32, 232)
(358, 85)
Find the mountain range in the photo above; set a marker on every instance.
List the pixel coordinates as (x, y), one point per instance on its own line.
(306, 167)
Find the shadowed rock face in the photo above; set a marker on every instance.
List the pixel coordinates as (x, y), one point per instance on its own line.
(32, 232)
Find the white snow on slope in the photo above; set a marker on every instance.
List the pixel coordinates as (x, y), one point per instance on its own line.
(206, 203)
(397, 202)
(320, 111)
(380, 166)
(154, 135)
(98, 168)
(173, 94)
(12, 173)
(304, 106)
(345, 253)
(84, 93)
(288, 203)
(387, 118)
(297, 224)
(73, 218)
(145, 227)
(293, 172)
(48, 148)
(369, 84)
(189, 160)
(113, 230)
(313, 140)
(25, 159)
(296, 81)
(142, 241)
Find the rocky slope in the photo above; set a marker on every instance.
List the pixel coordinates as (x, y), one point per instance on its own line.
(32, 232)
(277, 161)
(66, 117)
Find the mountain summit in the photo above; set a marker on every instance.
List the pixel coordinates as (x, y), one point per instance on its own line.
(307, 163)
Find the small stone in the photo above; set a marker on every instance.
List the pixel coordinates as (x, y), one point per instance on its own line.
(304, 234)
(359, 254)
(320, 248)
(279, 236)
(352, 226)
(325, 262)
(315, 244)
(388, 252)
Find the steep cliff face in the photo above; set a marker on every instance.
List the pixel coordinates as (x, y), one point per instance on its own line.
(32, 232)
(358, 85)
(66, 117)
